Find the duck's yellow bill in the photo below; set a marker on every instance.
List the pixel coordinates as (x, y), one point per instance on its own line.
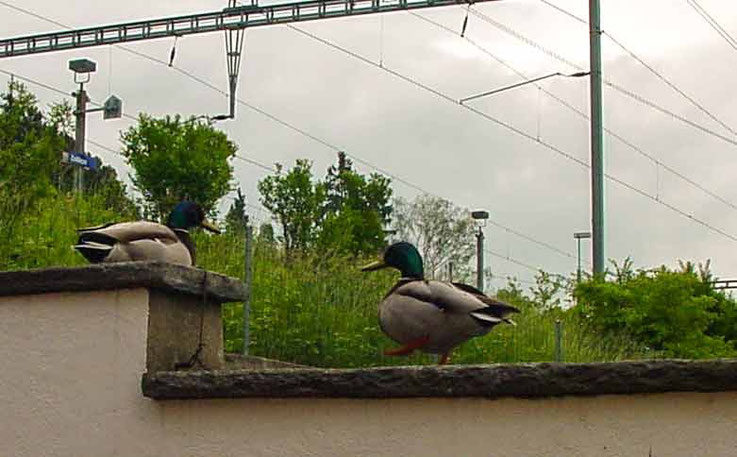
(376, 265)
(209, 226)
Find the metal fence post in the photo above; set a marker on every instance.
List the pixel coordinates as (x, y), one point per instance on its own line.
(248, 284)
(558, 341)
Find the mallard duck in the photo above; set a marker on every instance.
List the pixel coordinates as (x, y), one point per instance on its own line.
(432, 316)
(144, 240)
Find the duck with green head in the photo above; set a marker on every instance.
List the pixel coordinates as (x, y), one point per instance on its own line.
(432, 316)
(144, 240)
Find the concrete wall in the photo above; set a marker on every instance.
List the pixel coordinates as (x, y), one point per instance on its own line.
(70, 386)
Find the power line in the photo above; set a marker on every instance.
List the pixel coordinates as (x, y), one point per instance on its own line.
(568, 105)
(254, 162)
(518, 131)
(513, 129)
(505, 28)
(713, 23)
(293, 127)
(567, 13)
(512, 260)
(58, 91)
(38, 83)
(634, 96)
(121, 47)
(655, 106)
(648, 67)
(272, 169)
(671, 85)
(102, 146)
(31, 13)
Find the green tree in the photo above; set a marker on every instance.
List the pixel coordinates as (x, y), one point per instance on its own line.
(30, 151)
(236, 219)
(441, 231)
(296, 202)
(175, 159)
(357, 209)
(344, 213)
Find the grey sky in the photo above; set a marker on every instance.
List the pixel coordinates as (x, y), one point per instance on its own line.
(438, 145)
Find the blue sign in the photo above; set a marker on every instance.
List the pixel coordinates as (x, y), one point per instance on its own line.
(81, 159)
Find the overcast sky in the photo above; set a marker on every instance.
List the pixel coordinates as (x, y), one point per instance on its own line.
(343, 103)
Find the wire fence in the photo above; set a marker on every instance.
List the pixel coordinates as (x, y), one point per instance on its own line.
(312, 308)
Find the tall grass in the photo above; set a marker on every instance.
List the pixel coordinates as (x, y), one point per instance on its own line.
(44, 234)
(314, 309)
(323, 311)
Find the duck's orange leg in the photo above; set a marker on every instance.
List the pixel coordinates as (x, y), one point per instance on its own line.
(409, 347)
(444, 358)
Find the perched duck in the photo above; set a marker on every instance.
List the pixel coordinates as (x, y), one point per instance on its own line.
(144, 240)
(432, 316)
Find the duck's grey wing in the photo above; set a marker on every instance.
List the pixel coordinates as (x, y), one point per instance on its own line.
(126, 232)
(497, 304)
(126, 241)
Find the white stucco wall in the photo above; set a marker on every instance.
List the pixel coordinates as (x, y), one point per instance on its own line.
(70, 386)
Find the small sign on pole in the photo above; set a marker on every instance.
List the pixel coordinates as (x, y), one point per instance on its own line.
(113, 108)
(80, 159)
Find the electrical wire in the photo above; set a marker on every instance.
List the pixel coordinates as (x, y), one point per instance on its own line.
(512, 260)
(652, 70)
(286, 124)
(582, 114)
(700, 107)
(256, 163)
(713, 23)
(520, 132)
(616, 87)
(570, 157)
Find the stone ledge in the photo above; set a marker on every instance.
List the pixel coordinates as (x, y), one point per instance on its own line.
(487, 381)
(123, 275)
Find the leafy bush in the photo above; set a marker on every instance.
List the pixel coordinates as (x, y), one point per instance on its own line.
(676, 312)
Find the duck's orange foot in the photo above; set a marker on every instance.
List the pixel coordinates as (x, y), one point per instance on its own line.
(444, 358)
(409, 347)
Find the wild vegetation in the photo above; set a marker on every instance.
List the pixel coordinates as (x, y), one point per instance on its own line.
(311, 304)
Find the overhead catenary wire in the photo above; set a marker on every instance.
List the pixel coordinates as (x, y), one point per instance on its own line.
(658, 163)
(713, 23)
(102, 146)
(631, 94)
(516, 130)
(291, 126)
(272, 169)
(212, 86)
(652, 70)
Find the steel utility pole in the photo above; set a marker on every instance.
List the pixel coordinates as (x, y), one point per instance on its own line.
(597, 143)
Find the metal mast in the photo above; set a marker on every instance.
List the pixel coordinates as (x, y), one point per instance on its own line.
(597, 143)
(234, 38)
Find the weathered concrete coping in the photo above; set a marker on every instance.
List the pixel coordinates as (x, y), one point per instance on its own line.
(124, 275)
(488, 381)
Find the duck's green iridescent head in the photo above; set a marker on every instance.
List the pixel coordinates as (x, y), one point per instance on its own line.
(187, 215)
(404, 257)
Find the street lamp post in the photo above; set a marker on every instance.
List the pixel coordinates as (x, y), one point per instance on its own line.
(480, 217)
(579, 236)
(112, 109)
(82, 69)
